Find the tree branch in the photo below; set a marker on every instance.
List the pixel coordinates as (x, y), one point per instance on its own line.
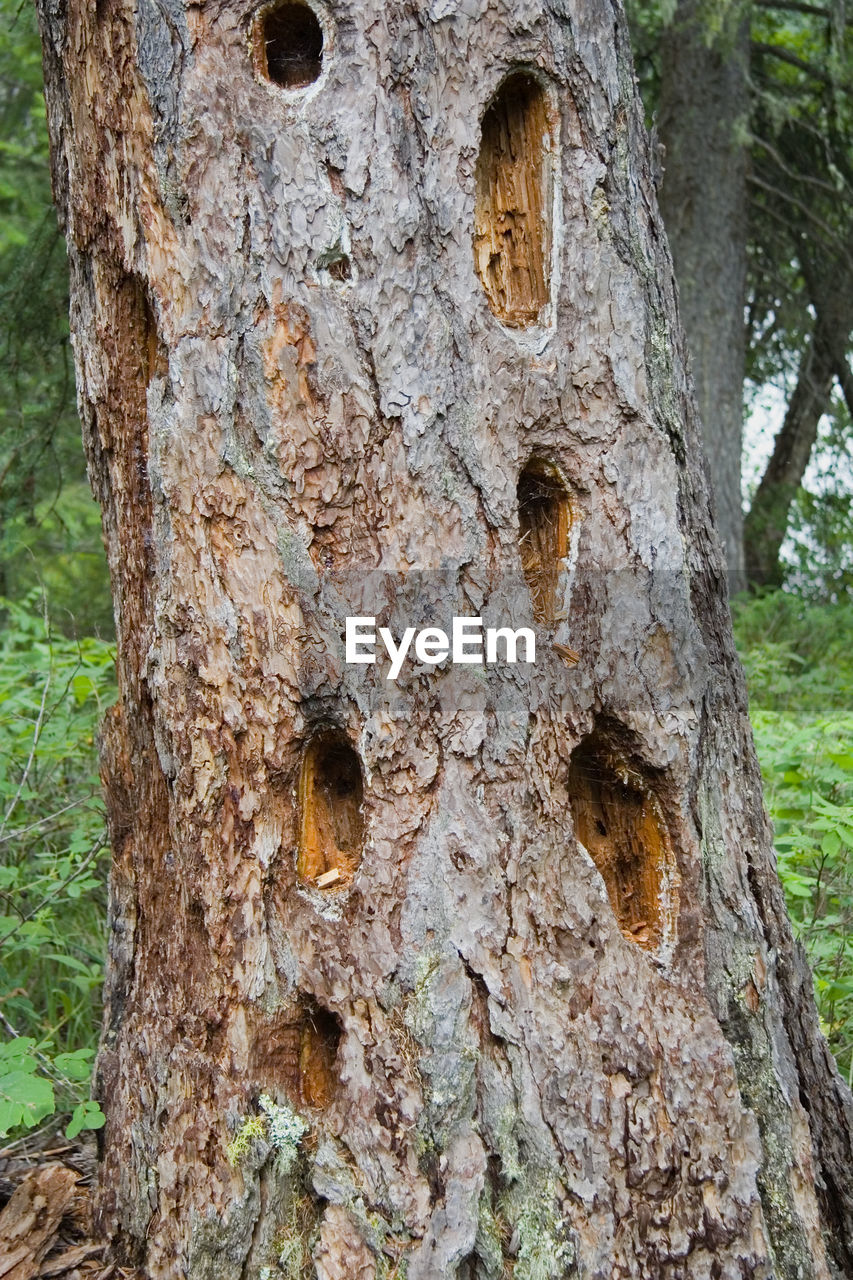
(784, 55)
(845, 380)
(791, 6)
(798, 204)
(779, 159)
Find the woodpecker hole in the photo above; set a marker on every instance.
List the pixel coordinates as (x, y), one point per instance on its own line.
(340, 269)
(320, 1036)
(544, 523)
(298, 1049)
(512, 231)
(618, 820)
(289, 45)
(153, 355)
(332, 823)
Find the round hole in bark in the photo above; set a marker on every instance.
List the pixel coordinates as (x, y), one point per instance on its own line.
(340, 269)
(331, 831)
(618, 820)
(544, 522)
(289, 44)
(512, 210)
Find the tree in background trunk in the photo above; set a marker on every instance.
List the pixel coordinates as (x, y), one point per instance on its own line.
(703, 120)
(753, 101)
(812, 226)
(823, 362)
(485, 970)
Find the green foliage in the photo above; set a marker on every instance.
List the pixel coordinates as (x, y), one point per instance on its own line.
(53, 692)
(46, 511)
(799, 664)
(86, 1115)
(25, 1098)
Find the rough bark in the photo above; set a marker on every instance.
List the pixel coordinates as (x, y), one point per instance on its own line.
(307, 395)
(703, 114)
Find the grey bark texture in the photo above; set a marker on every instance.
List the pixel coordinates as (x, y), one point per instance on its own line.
(703, 119)
(484, 1049)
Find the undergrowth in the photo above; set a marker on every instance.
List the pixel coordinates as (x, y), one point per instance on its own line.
(799, 665)
(53, 864)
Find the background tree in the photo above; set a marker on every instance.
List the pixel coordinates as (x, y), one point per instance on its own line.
(753, 106)
(49, 527)
(703, 109)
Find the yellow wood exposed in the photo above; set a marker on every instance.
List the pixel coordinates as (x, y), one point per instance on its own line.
(544, 523)
(512, 231)
(331, 821)
(622, 828)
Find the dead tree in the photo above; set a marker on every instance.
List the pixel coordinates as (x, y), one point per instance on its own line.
(484, 971)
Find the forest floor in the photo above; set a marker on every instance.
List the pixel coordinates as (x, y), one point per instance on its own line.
(46, 1218)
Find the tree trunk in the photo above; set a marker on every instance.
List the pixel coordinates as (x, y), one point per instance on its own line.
(483, 971)
(704, 111)
(823, 360)
(767, 522)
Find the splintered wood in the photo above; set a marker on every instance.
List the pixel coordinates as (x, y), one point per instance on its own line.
(332, 826)
(622, 830)
(30, 1221)
(544, 521)
(512, 232)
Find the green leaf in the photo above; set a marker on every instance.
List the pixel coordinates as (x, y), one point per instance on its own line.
(25, 1099)
(86, 1115)
(15, 1055)
(76, 1066)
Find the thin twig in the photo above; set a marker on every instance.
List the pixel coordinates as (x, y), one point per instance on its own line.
(87, 861)
(789, 199)
(784, 55)
(794, 6)
(42, 822)
(793, 173)
(25, 775)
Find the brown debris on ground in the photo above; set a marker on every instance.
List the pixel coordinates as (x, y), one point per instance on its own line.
(46, 1211)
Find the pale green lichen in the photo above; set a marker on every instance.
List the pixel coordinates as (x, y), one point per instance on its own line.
(544, 1250)
(285, 1130)
(488, 1242)
(252, 1128)
(507, 1144)
(281, 1127)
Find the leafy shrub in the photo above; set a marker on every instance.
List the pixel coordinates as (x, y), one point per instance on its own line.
(799, 663)
(53, 861)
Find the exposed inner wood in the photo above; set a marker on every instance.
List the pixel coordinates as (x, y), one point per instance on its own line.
(153, 356)
(297, 1050)
(621, 827)
(544, 521)
(289, 45)
(512, 231)
(31, 1220)
(318, 1049)
(332, 824)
